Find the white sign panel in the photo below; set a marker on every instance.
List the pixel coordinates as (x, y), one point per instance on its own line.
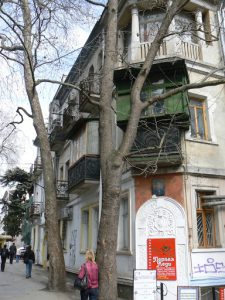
(208, 264)
(186, 292)
(144, 284)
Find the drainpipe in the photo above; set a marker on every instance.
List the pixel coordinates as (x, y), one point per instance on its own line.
(135, 34)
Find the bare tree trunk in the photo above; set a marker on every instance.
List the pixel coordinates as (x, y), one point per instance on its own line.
(56, 262)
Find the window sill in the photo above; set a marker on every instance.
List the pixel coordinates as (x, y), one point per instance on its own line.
(202, 250)
(124, 252)
(189, 139)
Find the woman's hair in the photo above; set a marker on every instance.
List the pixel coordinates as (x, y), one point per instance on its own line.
(90, 256)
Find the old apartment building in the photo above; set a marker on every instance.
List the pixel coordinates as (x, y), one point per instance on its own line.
(174, 182)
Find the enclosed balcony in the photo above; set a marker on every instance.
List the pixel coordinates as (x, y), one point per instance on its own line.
(155, 146)
(56, 138)
(37, 167)
(162, 78)
(84, 173)
(73, 119)
(90, 89)
(62, 190)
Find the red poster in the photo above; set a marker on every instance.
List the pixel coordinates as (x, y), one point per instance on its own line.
(161, 256)
(222, 294)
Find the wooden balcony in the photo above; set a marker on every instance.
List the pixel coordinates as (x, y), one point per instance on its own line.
(156, 146)
(90, 88)
(84, 173)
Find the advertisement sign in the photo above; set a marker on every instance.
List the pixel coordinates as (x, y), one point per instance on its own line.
(208, 264)
(144, 285)
(187, 292)
(222, 294)
(161, 256)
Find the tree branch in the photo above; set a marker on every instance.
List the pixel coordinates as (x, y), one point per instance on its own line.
(21, 121)
(96, 3)
(182, 88)
(70, 85)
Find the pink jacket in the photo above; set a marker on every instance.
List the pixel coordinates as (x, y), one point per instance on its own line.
(92, 272)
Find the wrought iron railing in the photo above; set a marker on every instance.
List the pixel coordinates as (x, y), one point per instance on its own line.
(62, 189)
(35, 210)
(86, 168)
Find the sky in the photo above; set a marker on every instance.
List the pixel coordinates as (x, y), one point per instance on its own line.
(12, 95)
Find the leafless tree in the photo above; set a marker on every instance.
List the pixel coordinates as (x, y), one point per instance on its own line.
(34, 37)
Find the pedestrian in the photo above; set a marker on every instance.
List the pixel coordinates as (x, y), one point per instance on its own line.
(4, 255)
(91, 269)
(18, 255)
(12, 252)
(29, 260)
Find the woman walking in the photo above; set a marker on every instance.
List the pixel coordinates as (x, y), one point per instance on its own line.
(90, 268)
(29, 260)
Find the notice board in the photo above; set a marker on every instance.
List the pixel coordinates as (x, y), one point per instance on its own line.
(144, 285)
(187, 292)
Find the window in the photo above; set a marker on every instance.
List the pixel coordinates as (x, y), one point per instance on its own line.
(205, 222)
(89, 227)
(66, 169)
(61, 173)
(124, 225)
(199, 128)
(64, 234)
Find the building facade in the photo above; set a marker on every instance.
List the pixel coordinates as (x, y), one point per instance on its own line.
(173, 184)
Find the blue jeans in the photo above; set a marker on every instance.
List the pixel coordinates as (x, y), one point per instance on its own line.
(92, 293)
(29, 268)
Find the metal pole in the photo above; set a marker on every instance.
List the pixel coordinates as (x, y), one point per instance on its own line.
(161, 291)
(213, 293)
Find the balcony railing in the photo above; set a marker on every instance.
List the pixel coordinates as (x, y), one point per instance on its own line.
(62, 190)
(156, 146)
(144, 48)
(35, 210)
(173, 47)
(90, 87)
(86, 169)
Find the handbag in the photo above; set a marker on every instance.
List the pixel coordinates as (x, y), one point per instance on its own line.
(81, 284)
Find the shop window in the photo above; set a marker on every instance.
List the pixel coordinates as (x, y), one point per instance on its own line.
(123, 242)
(205, 222)
(199, 126)
(89, 227)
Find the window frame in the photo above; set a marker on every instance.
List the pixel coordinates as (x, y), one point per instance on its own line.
(203, 212)
(196, 107)
(127, 250)
(89, 208)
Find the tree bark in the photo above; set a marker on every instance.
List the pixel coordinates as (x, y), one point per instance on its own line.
(56, 261)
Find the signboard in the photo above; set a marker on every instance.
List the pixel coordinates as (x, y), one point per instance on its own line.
(161, 256)
(208, 264)
(222, 294)
(144, 285)
(187, 292)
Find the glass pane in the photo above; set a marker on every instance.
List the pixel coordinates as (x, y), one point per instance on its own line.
(200, 230)
(209, 229)
(201, 128)
(193, 128)
(85, 221)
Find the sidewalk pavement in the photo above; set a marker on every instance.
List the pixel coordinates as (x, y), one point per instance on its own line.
(14, 285)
